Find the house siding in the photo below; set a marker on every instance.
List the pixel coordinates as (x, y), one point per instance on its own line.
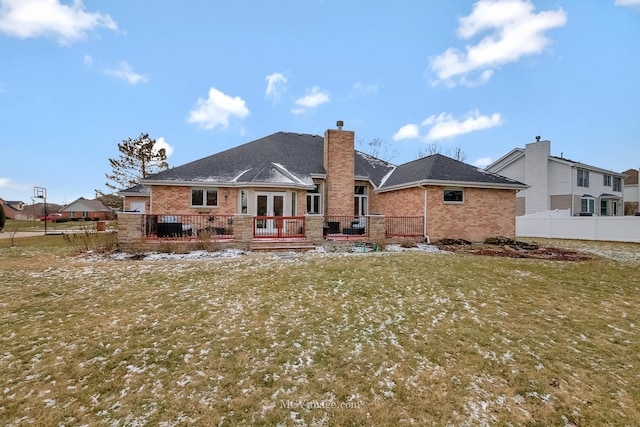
(537, 175)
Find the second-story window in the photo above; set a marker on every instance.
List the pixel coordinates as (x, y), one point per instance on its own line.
(606, 180)
(583, 178)
(617, 184)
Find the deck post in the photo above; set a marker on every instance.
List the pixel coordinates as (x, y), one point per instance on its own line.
(130, 228)
(377, 229)
(313, 228)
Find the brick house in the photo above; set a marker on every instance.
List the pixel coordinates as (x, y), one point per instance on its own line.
(299, 175)
(84, 208)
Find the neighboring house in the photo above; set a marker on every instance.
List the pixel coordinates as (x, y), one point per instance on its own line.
(12, 209)
(83, 208)
(631, 192)
(559, 183)
(291, 174)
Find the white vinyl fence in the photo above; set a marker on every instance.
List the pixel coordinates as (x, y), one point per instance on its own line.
(560, 225)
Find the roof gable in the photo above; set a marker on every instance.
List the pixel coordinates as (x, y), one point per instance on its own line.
(84, 205)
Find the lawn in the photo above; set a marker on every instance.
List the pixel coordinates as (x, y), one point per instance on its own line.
(406, 338)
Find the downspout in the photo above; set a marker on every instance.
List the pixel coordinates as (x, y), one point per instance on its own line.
(426, 236)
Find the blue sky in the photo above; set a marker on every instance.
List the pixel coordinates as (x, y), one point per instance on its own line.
(78, 77)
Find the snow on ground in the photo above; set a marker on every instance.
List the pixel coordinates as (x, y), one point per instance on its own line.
(235, 253)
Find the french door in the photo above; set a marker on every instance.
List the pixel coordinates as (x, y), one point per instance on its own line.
(268, 206)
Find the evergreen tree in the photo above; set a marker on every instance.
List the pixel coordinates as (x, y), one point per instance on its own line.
(138, 159)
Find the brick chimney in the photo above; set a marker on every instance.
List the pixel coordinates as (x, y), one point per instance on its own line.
(339, 166)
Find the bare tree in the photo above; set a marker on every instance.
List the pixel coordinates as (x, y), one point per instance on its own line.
(378, 148)
(455, 153)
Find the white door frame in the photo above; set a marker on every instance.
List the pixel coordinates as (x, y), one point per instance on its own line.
(269, 226)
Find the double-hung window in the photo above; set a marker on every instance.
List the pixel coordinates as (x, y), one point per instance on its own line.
(313, 201)
(606, 180)
(204, 197)
(583, 178)
(361, 201)
(617, 184)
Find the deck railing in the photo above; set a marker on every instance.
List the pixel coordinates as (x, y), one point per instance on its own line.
(346, 226)
(278, 227)
(206, 226)
(189, 227)
(404, 226)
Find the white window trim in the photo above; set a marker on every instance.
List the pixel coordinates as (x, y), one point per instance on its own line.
(204, 197)
(453, 202)
(363, 201)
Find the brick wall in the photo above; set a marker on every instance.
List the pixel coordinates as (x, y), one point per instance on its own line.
(339, 165)
(484, 212)
(176, 200)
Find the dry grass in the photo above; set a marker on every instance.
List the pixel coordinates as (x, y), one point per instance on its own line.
(333, 339)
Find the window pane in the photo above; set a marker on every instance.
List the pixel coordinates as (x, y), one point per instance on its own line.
(197, 198)
(243, 201)
(212, 197)
(453, 195)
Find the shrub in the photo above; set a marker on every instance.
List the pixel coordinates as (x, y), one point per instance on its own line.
(88, 240)
(3, 218)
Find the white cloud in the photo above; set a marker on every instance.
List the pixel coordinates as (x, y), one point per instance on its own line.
(363, 89)
(516, 31)
(631, 3)
(446, 126)
(67, 23)
(407, 132)
(275, 85)
(88, 60)
(7, 184)
(162, 143)
(483, 162)
(125, 72)
(217, 109)
(314, 98)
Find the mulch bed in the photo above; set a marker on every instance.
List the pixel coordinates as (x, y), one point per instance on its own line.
(505, 247)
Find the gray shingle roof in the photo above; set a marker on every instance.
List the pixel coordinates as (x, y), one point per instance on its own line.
(298, 155)
(293, 159)
(436, 168)
(136, 190)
